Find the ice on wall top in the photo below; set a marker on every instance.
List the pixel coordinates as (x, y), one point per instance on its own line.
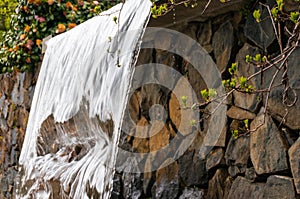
(80, 87)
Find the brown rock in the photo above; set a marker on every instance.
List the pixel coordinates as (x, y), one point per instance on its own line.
(159, 139)
(11, 115)
(242, 188)
(278, 187)
(237, 155)
(142, 128)
(262, 34)
(22, 118)
(175, 113)
(215, 135)
(167, 181)
(217, 185)
(294, 154)
(181, 116)
(247, 101)
(222, 45)
(250, 174)
(140, 145)
(134, 106)
(204, 34)
(268, 150)
(17, 95)
(27, 79)
(239, 114)
(192, 169)
(276, 107)
(8, 84)
(215, 158)
(195, 79)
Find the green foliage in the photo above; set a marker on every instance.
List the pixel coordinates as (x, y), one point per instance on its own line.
(184, 100)
(274, 12)
(294, 16)
(246, 123)
(160, 10)
(193, 122)
(208, 94)
(235, 134)
(7, 8)
(232, 69)
(20, 49)
(257, 15)
(280, 4)
(157, 11)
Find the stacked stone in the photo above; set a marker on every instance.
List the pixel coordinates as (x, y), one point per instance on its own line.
(264, 163)
(16, 91)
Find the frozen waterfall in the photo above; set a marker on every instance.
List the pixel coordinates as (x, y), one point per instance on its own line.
(73, 129)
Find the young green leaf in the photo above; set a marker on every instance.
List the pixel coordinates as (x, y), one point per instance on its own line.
(294, 16)
(184, 100)
(256, 15)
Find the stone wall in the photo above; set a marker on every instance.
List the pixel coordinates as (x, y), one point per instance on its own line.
(16, 92)
(262, 164)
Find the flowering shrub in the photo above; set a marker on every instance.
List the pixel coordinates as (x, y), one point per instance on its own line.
(20, 49)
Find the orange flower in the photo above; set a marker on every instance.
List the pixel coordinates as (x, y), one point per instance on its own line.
(71, 25)
(31, 1)
(60, 28)
(38, 42)
(22, 36)
(11, 49)
(27, 28)
(50, 2)
(25, 8)
(16, 48)
(69, 4)
(28, 60)
(74, 8)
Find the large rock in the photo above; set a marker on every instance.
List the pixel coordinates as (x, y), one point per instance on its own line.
(180, 116)
(167, 182)
(294, 154)
(262, 33)
(243, 100)
(222, 44)
(239, 114)
(192, 169)
(278, 187)
(217, 187)
(275, 103)
(215, 158)
(242, 188)
(160, 137)
(268, 149)
(237, 155)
